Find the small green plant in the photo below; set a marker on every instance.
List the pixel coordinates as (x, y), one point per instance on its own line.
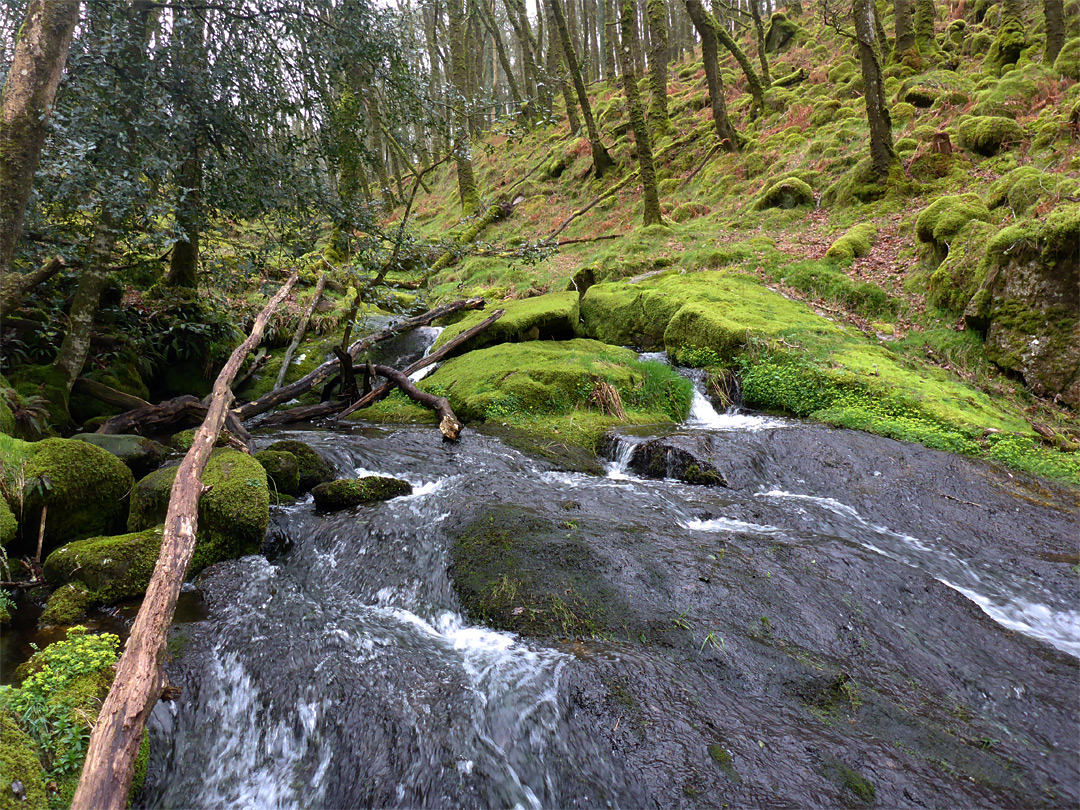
(681, 620)
(716, 641)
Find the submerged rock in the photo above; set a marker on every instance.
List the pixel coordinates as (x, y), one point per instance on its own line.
(658, 458)
(313, 469)
(346, 492)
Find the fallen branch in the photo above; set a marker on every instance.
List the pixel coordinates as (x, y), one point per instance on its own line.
(301, 328)
(323, 372)
(169, 413)
(449, 425)
(108, 395)
(16, 287)
(700, 166)
(260, 360)
(117, 735)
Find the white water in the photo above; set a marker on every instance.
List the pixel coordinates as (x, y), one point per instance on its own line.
(704, 416)
(416, 376)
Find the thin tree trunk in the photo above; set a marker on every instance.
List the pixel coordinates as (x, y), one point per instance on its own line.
(184, 262)
(759, 28)
(752, 80)
(467, 193)
(882, 155)
(12, 298)
(301, 328)
(504, 59)
(37, 65)
(658, 63)
(905, 29)
(609, 27)
(117, 735)
(706, 26)
(1054, 13)
(651, 198)
(601, 158)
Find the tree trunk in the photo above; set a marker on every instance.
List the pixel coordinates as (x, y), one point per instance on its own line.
(375, 127)
(651, 198)
(301, 328)
(882, 155)
(905, 30)
(706, 26)
(656, 10)
(609, 29)
(117, 735)
(467, 194)
(11, 297)
(449, 425)
(36, 67)
(925, 19)
(504, 60)
(759, 27)
(752, 80)
(1054, 13)
(184, 263)
(601, 158)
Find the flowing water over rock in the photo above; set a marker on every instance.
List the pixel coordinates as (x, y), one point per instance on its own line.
(851, 620)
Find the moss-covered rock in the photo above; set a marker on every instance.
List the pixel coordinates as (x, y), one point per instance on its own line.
(854, 244)
(924, 89)
(19, 762)
(781, 32)
(102, 570)
(346, 492)
(282, 470)
(960, 274)
(183, 440)
(85, 487)
(313, 468)
(1025, 186)
(48, 383)
(233, 515)
(9, 524)
(1010, 42)
(942, 220)
(140, 454)
(989, 134)
(1068, 59)
(66, 605)
(790, 192)
(545, 317)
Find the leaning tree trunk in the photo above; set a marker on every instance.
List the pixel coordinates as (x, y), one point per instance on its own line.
(656, 11)
(36, 67)
(752, 80)
(1054, 13)
(706, 26)
(651, 198)
(905, 30)
(470, 199)
(600, 156)
(117, 735)
(882, 155)
(759, 28)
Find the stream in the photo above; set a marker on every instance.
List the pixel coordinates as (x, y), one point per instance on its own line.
(851, 620)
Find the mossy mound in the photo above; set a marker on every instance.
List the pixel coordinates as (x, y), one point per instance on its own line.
(48, 383)
(790, 192)
(546, 317)
(854, 244)
(9, 524)
(86, 489)
(346, 492)
(19, 762)
(141, 455)
(102, 570)
(282, 470)
(861, 184)
(952, 284)
(1068, 59)
(989, 134)
(1025, 186)
(183, 440)
(939, 223)
(781, 32)
(1010, 42)
(233, 515)
(313, 469)
(925, 89)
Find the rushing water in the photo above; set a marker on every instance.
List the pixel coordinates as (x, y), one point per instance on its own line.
(340, 671)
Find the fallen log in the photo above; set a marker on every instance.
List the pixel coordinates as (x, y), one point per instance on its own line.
(171, 412)
(449, 425)
(117, 735)
(323, 372)
(301, 328)
(107, 394)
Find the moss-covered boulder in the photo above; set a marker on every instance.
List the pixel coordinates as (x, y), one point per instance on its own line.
(939, 223)
(102, 570)
(233, 515)
(282, 470)
(951, 285)
(86, 489)
(659, 458)
(47, 383)
(925, 89)
(1030, 303)
(545, 317)
(9, 524)
(789, 192)
(141, 455)
(989, 134)
(346, 492)
(854, 244)
(780, 33)
(19, 763)
(1068, 59)
(313, 468)
(1025, 186)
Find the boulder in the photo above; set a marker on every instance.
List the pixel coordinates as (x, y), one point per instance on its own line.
(19, 762)
(313, 468)
(66, 605)
(346, 492)
(939, 223)
(282, 470)
(544, 317)
(989, 134)
(658, 458)
(790, 192)
(141, 455)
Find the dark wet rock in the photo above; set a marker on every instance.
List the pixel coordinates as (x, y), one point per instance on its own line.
(661, 458)
(282, 470)
(141, 455)
(346, 492)
(314, 469)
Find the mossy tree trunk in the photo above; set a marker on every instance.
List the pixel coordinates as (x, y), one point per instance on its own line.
(554, 64)
(470, 199)
(905, 30)
(656, 11)
(752, 80)
(515, 12)
(609, 30)
(706, 26)
(1054, 14)
(759, 28)
(504, 61)
(650, 195)
(925, 21)
(378, 151)
(882, 155)
(36, 67)
(600, 156)
(184, 262)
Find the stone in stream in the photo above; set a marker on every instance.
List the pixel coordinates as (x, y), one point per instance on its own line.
(314, 469)
(346, 492)
(659, 458)
(140, 454)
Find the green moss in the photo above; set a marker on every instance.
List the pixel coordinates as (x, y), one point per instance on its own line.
(85, 487)
(843, 776)
(927, 88)
(313, 469)
(855, 243)
(66, 605)
(1068, 59)
(989, 134)
(49, 383)
(282, 470)
(141, 455)
(233, 515)
(1025, 186)
(183, 440)
(554, 315)
(1010, 42)
(312, 352)
(19, 762)
(790, 192)
(102, 570)
(952, 284)
(346, 492)
(939, 223)
(9, 524)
